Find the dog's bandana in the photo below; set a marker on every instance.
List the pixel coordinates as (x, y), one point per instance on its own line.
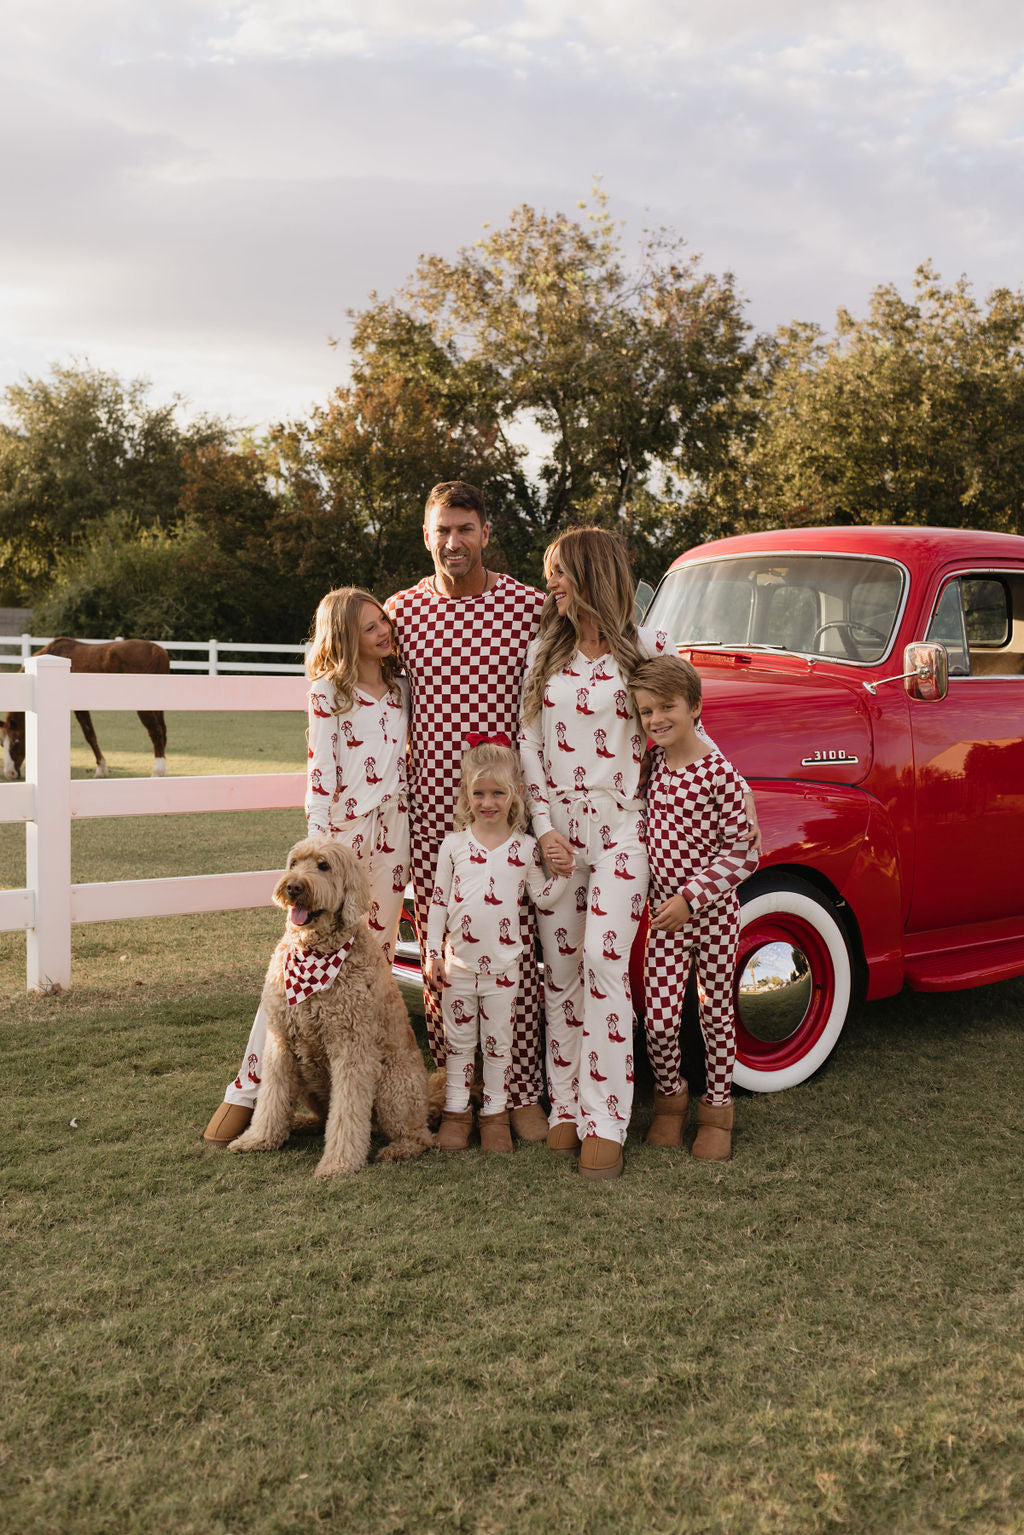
(305, 973)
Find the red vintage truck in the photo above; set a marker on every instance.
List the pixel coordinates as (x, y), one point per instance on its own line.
(869, 684)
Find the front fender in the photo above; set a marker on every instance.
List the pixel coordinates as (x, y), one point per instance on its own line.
(842, 840)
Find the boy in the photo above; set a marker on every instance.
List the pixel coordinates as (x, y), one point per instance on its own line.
(699, 846)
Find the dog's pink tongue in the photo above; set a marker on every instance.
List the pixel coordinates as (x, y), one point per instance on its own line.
(299, 915)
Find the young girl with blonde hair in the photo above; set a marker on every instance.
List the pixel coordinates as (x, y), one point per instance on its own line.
(475, 945)
(356, 787)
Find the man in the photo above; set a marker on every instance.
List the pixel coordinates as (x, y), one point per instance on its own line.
(464, 632)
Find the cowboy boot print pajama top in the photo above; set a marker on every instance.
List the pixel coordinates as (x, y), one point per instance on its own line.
(475, 923)
(581, 761)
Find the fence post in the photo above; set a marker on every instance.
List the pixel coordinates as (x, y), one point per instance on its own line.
(26, 646)
(48, 834)
(213, 658)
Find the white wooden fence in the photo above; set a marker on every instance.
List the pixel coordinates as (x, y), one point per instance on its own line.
(48, 801)
(16, 649)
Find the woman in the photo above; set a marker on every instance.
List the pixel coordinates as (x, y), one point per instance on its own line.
(582, 750)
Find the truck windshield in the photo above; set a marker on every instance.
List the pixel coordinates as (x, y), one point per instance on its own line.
(841, 606)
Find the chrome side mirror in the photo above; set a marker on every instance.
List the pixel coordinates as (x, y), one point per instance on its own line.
(925, 673)
(927, 668)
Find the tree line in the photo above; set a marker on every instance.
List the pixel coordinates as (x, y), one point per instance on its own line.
(569, 382)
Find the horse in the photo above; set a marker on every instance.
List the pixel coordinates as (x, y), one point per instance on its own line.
(115, 656)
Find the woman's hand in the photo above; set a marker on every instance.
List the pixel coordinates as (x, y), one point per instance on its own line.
(438, 974)
(672, 915)
(557, 853)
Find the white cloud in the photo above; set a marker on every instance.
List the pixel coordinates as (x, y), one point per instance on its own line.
(220, 181)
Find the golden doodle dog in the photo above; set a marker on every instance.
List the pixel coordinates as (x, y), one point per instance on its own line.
(338, 1034)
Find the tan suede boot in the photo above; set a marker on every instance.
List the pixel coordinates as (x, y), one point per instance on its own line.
(529, 1123)
(713, 1142)
(562, 1137)
(227, 1124)
(670, 1111)
(495, 1134)
(456, 1128)
(600, 1159)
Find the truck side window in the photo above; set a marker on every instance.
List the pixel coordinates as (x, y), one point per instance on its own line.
(994, 619)
(986, 610)
(947, 628)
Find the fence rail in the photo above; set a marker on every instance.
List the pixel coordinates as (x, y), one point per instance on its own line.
(16, 649)
(48, 801)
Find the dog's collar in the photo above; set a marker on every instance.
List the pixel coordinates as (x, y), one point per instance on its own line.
(305, 973)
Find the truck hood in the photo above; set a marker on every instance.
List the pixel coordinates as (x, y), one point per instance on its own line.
(772, 722)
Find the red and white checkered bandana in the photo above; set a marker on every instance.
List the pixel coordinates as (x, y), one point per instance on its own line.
(306, 973)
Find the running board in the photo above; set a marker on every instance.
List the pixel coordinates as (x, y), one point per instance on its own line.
(954, 969)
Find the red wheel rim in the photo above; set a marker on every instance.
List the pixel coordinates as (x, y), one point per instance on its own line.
(786, 928)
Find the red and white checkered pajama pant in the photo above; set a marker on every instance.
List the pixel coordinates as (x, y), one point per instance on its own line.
(479, 1010)
(526, 1083)
(587, 934)
(711, 938)
(384, 853)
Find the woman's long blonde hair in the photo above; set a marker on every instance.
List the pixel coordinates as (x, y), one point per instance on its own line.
(489, 760)
(334, 644)
(598, 566)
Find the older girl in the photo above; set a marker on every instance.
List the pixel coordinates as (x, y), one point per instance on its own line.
(355, 786)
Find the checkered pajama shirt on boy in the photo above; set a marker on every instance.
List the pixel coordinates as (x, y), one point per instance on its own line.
(697, 845)
(464, 657)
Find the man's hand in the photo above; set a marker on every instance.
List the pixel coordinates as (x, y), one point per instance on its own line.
(673, 915)
(557, 853)
(438, 974)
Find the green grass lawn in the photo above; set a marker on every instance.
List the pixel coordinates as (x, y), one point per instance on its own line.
(823, 1334)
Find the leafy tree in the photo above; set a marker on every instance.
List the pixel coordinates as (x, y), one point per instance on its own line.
(912, 415)
(355, 475)
(623, 375)
(77, 446)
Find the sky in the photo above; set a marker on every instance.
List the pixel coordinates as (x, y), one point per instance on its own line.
(197, 193)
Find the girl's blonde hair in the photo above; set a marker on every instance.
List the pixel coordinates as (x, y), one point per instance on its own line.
(597, 564)
(334, 644)
(489, 760)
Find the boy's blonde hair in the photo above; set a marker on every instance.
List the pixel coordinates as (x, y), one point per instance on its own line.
(334, 644)
(490, 760)
(668, 677)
